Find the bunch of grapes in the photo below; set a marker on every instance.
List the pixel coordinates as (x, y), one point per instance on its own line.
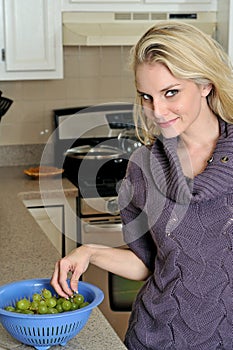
(46, 303)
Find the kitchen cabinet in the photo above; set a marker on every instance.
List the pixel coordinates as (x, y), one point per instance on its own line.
(179, 1)
(97, 1)
(30, 39)
(51, 221)
(139, 5)
(56, 219)
(229, 34)
(144, 1)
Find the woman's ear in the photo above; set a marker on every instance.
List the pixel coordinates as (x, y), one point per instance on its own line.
(206, 88)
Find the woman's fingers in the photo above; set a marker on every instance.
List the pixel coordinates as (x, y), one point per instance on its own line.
(76, 262)
(54, 281)
(59, 279)
(74, 281)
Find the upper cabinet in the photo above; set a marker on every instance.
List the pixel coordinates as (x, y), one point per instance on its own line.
(179, 1)
(30, 40)
(139, 5)
(154, 1)
(32, 32)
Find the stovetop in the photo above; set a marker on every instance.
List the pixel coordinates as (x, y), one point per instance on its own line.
(92, 126)
(104, 184)
(107, 188)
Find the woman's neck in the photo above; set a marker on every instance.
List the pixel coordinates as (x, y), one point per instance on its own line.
(196, 147)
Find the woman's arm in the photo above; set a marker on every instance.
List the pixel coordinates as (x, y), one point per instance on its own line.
(122, 262)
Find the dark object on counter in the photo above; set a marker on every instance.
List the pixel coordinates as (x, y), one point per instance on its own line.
(5, 104)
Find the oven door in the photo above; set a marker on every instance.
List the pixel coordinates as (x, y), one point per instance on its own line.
(105, 230)
(119, 292)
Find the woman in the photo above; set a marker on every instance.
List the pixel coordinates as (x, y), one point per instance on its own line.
(176, 199)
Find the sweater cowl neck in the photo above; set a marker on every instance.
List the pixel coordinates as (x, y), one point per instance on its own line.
(215, 180)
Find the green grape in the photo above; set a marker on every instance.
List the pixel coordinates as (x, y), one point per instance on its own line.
(60, 300)
(23, 304)
(59, 308)
(28, 312)
(83, 304)
(78, 299)
(34, 305)
(46, 293)
(74, 306)
(10, 308)
(45, 303)
(66, 305)
(36, 297)
(42, 309)
(52, 310)
(51, 302)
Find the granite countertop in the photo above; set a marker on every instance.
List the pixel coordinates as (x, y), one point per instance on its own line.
(27, 253)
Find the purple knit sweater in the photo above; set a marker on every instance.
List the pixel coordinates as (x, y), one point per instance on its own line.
(182, 230)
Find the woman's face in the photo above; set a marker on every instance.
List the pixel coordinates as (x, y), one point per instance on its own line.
(174, 105)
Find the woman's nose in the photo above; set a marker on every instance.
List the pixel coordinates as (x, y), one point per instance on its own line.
(159, 109)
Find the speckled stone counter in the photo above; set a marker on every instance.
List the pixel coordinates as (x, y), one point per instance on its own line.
(27, 253)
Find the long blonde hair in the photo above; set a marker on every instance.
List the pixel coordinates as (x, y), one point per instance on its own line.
(189, 54)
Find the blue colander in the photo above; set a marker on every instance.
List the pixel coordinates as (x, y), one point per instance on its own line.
(44, 331)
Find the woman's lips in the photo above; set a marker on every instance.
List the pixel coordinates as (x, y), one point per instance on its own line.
(166, 124)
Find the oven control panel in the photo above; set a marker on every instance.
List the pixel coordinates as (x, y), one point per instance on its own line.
(120, 120)
(101, 205)
(99, 121)
(112, 206)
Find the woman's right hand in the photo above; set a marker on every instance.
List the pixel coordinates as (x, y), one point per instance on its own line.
(122, 262)
(76, 262)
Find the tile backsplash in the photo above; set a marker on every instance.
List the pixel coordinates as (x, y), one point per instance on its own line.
(92, 75)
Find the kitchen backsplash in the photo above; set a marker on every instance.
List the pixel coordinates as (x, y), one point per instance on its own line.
(12, 155)
(92, 75)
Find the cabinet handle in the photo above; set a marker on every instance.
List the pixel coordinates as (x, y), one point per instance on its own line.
(3, 55)
(97, 228)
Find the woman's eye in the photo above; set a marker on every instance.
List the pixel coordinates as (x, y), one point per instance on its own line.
(171, 93)
(146, 97)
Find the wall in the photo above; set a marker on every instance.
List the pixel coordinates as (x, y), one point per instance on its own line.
(92, 75)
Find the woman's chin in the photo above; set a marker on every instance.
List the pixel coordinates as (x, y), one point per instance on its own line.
(169, 133)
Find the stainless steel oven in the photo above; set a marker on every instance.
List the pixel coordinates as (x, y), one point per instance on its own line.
(119, 295)
(93, 146)
(101, 224)
(97, 223)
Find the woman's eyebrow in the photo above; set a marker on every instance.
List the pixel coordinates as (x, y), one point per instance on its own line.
(140, 92)
(169, 87)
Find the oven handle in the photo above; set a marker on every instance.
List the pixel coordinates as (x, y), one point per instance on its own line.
(98, 228)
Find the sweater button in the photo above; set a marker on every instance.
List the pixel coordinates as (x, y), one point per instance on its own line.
(169, 234)
(210, 160)
(224, 159)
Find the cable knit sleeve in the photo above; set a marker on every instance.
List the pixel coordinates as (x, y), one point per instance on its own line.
(132, 200)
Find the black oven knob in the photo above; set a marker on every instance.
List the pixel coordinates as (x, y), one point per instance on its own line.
(112, 206)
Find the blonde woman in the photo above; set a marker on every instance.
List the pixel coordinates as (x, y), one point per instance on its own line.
(176, 199)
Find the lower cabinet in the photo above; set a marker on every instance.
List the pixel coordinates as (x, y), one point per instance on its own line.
(58, 221)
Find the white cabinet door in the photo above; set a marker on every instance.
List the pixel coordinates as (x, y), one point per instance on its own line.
(140, 5)
(51, 221)
(139, 1)
(230, 31)
(179, 1)
(57, 218)
(98, 1)
(31, 39)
